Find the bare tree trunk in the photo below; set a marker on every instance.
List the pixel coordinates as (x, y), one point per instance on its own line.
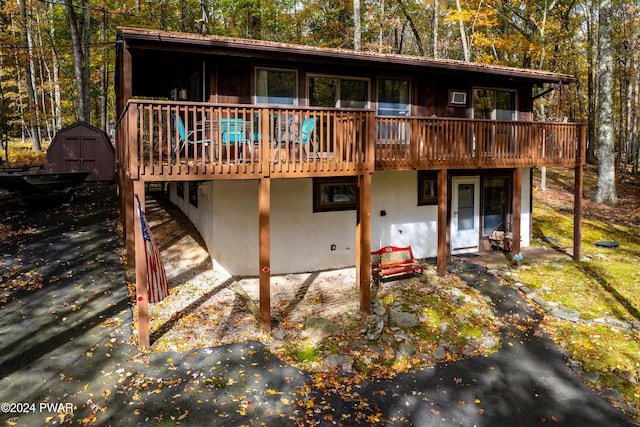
(606, 184)
(416, 33)
(635, 141)
(627, 134)
(83, 108)
(357, 27)
(57, 96)
(434, 31)
(29, 69)
(104, 72)
(591, 91)
(381, 33)
(463, 34)
(86, 68)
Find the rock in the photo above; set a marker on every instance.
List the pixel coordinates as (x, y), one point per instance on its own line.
(468, 351)
(278, 333)
(613, 395)
(489, 341)
(620, 324)
(375, 326)
(576, 366)
(317, 328)
(439, 353)
(403, 336)
(342, 362)
(377, 307)
(592, 377)
(566, 314)
(405, 350)
(403, 319)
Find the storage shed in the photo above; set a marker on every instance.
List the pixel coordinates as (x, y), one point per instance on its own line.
(83, 148)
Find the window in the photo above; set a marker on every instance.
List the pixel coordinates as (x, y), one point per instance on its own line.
(427, 188)
(496, 202)
(180, 190)
(393, 97)
(276, 87)
(193, 193)
(494, 104)
(327, 91)
(334, 194)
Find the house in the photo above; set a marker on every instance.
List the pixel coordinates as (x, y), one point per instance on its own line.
(293, 158)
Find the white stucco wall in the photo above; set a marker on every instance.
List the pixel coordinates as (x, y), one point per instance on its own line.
(405, 223)
(301, 240)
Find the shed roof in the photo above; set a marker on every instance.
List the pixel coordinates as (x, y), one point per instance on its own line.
(137, 38)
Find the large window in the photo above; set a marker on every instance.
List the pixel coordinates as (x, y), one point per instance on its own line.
(334, 194)
(494, 104)
(393, 97)
(496, 203)
(276, 87)
(339, 92)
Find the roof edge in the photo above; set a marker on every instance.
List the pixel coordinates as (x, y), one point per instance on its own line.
(171, 37)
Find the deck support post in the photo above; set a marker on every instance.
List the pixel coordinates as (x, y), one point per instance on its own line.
(128, 214)
(264, 256)
(442, 223)
(363, 241)
(516, 211)
(142, 302)
(577, 213)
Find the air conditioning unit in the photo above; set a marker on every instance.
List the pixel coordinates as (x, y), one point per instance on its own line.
(458, 98)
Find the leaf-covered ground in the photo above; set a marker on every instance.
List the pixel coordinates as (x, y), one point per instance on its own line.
(208, 309)
(66, 342)
(601, 331)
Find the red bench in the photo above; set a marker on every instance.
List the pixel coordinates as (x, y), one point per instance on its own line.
(392, 261)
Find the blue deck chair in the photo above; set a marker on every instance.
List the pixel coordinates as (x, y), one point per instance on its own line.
(232, 132)
(194, 137)
(306, 135)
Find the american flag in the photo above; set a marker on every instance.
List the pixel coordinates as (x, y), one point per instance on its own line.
(157, 285)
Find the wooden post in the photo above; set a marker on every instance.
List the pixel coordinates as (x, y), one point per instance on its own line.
(516, 210)
(577, 213)
(442, 223)
(264, 242)
(363, 242)
(129, 215)
(577, 197)
(142, 302)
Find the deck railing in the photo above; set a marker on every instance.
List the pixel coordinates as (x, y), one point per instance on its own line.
(175, 140)
(423, 143)
(167, 140)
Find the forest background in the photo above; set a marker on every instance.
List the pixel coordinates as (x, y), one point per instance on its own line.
(57, 57)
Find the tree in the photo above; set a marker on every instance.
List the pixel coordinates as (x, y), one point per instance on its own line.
(29, 69)
(79, 63)
(357, 27)
(606, 184)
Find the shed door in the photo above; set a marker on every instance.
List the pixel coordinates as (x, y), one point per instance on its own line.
(80, 155)
(465, 217)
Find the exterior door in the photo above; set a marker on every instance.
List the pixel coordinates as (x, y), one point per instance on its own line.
(80, 156)
(465, 216)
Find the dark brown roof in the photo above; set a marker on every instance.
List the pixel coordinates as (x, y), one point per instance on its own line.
(165, 40)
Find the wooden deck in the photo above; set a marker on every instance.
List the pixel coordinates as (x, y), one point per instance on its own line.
(172, 141)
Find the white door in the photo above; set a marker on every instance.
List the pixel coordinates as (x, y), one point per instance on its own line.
(465, 217)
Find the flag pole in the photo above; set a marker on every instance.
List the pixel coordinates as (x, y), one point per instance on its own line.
(142, 302)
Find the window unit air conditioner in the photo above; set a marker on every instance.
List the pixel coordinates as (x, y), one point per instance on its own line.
(458, 98)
